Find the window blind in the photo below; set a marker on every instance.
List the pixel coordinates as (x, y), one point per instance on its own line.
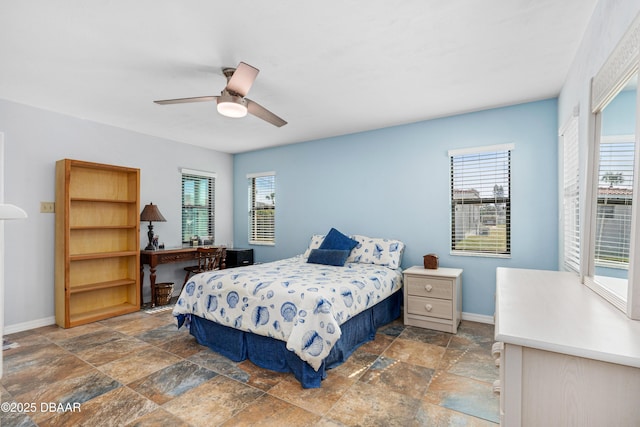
(613, 210)
(481, 201)
(571, 196)
(198, 205)
(262, 208)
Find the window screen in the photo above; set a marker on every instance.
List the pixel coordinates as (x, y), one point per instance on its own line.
(481, 201)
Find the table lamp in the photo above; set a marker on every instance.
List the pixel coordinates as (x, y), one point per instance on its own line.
(151, 213)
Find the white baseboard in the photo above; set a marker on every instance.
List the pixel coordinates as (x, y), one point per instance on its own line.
(19, 327)
(480, 318)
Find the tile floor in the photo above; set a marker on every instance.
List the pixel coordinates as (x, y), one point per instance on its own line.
(138, 370)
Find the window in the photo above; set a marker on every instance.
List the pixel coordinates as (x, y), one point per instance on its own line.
(614, 201)
(571, 195)
(198, 205)
(262, 208)
(481, 201)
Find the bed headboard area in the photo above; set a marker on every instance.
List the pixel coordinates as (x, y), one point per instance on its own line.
(361, 249)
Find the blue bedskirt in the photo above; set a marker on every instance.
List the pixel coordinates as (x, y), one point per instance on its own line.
(272, 354)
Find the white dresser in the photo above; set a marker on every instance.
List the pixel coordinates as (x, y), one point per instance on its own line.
(569, 358)
(433, 298)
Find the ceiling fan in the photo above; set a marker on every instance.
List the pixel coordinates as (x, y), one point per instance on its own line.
(232, 101)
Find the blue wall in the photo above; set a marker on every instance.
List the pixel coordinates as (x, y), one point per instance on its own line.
(394, 183)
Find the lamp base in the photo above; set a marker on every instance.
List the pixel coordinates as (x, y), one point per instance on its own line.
(150, 236)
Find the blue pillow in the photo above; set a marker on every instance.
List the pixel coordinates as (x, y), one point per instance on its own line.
(335, 257)
(336, 240)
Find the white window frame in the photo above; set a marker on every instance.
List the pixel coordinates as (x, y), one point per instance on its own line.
(210, 204)
(261, 234)
(483, 200)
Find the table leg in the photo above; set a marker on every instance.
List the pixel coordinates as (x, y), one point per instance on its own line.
(152, 278)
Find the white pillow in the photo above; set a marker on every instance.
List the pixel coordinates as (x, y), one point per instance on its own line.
(386, 252)
(316, 241)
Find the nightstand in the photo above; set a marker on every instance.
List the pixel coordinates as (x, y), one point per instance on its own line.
(433, 298)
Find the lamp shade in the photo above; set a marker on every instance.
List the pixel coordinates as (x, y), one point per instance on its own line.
(231, 105)
(151, 213)
(8, 211)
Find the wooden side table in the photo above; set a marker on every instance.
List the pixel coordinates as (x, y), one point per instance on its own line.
(433, 298)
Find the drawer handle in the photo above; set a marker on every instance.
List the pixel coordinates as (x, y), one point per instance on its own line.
(428, 288)
(428, 307)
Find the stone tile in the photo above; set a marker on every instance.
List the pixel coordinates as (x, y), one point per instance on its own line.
(174, 380)
(74, 390)
(184, 346)
(31, 357)
(112, 350)
(259, 378)
(393, 329)
(158, 418)
(162, 334)
(269, 411)
(220, 364)
(367, 405)
(380, 343)
(414, 352)
(12, 417)
(57, 334)
(213, 402)
(472, 362)
(399, 377)
(47, 365)
(316, 400)
(433, 415)
(476, 334)
(427, 336)
(90, 340)
(356, 365)
(115, 408)
(112, 322)
(25, 343)
(466, 395)
(138, 365)
(138, 325)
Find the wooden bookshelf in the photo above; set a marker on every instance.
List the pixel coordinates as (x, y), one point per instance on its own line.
(97, 249)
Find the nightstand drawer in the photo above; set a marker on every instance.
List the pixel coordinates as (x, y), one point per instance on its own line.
(429, 287)
(431, 307)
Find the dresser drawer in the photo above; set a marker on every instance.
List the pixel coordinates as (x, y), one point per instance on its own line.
(431, 287)
(432, 307)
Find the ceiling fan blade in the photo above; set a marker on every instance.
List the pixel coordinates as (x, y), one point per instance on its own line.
(185, 100)
(242, 79)
(261, 112)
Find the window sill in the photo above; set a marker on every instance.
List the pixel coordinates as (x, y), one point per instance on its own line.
(253, 242)
(480, 254)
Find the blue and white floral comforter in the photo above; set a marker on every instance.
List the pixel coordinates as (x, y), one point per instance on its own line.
(289, 300)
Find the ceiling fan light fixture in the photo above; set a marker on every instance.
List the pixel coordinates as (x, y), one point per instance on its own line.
(231, 106)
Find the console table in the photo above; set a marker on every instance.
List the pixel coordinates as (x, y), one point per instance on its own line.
(166, 256)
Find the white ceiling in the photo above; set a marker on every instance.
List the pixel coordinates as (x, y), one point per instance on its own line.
(328, 67)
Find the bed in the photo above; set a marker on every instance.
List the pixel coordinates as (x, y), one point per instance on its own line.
(304, 314)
